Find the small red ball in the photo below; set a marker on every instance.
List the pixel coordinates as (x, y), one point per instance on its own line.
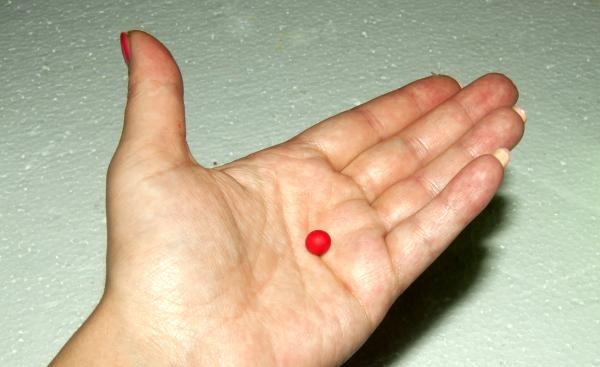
(318, 242)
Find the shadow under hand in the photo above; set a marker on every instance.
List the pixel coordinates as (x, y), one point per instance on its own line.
(433, 294)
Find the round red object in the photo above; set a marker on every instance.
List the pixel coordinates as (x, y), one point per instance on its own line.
(318, 242)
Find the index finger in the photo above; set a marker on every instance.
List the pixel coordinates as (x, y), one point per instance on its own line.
(343, 137)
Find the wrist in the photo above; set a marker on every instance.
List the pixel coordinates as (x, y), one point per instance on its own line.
(107, 338)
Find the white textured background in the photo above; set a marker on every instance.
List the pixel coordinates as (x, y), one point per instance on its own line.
(520, 287)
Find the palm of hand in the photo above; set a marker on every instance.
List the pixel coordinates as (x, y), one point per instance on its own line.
(235, 260)
(204, 258)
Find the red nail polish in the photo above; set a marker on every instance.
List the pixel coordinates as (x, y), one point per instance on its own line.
(125, 48)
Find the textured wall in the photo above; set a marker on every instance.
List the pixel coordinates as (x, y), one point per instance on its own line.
(520, 287)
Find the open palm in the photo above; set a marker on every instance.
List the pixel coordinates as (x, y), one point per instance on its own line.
(210, 264)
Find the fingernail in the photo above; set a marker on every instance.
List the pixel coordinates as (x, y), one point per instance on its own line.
(125, 48)
(503, 156)
(521, 113)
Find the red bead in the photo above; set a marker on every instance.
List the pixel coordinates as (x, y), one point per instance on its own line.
(318, 242)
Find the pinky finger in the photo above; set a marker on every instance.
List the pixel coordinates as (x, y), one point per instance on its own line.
(417, 241)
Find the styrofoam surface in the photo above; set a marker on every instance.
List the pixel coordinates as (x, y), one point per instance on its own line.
(520, 287)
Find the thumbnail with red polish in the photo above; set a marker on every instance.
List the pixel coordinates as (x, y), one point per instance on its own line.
(125, 48)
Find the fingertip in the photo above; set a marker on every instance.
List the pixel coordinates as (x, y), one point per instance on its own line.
(442, 82)
(432, 91)
(489, 169)
(482, 177)
(503, 83)
(503, 156)
(448, 81)
(498, 78)
(521, 112)
(151, 64)
(150, 58)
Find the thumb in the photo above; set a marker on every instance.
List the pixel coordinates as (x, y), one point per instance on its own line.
(155, 114)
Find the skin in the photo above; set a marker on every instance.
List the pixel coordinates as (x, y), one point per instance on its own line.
(208, 267)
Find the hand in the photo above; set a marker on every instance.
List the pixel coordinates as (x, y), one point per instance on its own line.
(208, 266)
